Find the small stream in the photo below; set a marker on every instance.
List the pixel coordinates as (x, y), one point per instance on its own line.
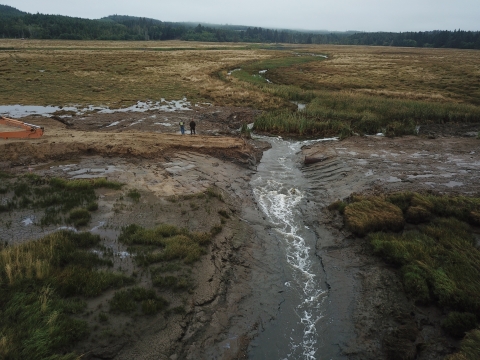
(280, 190)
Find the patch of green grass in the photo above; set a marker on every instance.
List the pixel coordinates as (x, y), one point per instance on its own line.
(42, 283)
(419, 208)
(441, 256)
(164, 268)
(214, 193)
(130, 300)
(79, 217)
(181, 282)
(173, 243)
(92, 206)
(57, 196)
(439, 261)
(373, 214)
(330, 113)
(134, 195)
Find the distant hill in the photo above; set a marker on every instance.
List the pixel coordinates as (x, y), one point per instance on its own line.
(126, 18)
(18, 24)
(7, 11)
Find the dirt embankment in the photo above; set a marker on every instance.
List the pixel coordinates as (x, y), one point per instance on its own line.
(377, 318)
(60, 143)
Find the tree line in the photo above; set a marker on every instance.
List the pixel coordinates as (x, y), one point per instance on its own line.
(17, 24)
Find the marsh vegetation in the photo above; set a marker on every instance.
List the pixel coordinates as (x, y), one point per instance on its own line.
(430, 239)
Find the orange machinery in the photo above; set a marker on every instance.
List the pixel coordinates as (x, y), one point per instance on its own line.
(29, 131)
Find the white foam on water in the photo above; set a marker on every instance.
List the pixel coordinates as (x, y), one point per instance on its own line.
(280, 201)
(28, 221)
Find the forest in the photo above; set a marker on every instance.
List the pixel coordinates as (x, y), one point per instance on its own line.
(17, 24)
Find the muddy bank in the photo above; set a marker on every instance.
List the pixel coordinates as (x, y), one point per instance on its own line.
(366, 297)
(61, 143)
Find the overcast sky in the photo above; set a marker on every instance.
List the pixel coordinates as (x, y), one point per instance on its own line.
(334, 15)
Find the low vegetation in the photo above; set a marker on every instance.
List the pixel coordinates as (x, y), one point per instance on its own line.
(165, 243)
(43, 286)
(437, 257)
(469, 348)
(63, 201)
(135, 299)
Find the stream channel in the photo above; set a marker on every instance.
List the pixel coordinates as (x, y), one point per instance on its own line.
(301, 325)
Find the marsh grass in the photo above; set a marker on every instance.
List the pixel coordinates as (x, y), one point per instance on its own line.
(330, 113)
(469, 348)
(373, 214)
(134, 195)
(438, 259)
(62, 200)
(137, 298)
(79, 217)
(42, 283)
(169, 243)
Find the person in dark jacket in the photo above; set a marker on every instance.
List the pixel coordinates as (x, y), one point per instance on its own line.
(192, 127)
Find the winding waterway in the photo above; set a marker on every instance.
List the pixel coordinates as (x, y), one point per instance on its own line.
(280, 190)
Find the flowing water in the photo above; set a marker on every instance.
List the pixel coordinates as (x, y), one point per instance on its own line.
(296, 332)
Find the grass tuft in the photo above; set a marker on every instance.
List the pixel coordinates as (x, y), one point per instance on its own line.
(373, 214)
(457, 324)
(134, 195)
(79, 217)
(130, 300)
(171, 243)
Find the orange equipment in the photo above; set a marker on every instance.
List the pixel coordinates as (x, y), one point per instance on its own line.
(29, 131)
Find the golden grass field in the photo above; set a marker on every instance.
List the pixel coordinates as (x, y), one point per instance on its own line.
(116, 73)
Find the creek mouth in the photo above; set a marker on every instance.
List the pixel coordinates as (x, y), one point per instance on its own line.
(293, 283)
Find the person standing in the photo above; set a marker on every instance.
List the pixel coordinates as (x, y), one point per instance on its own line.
(193, 124)
(182, 127)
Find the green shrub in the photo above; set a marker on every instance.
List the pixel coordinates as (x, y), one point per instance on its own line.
(457, 324)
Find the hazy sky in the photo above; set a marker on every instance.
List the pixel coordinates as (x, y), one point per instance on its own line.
(335, 15)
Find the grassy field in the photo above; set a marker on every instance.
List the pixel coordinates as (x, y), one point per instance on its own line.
(357, 89)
